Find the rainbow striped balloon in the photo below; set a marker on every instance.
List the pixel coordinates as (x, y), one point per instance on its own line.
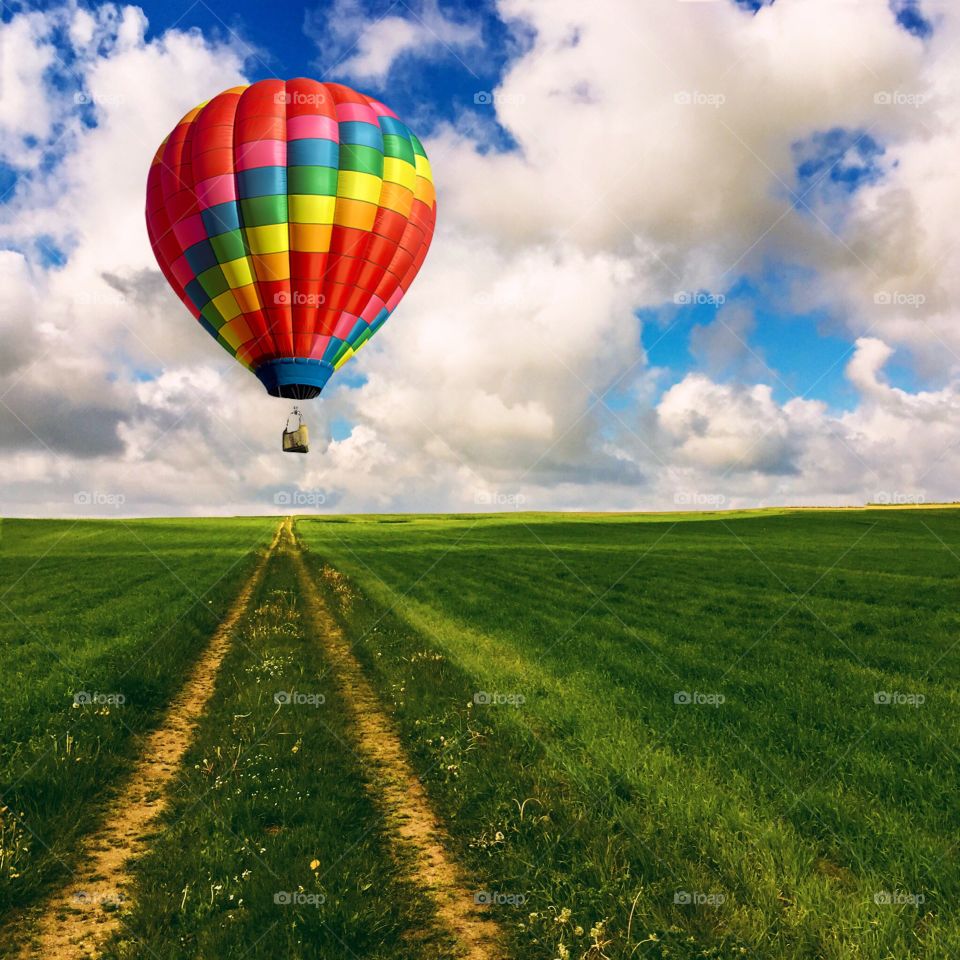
(290, 218)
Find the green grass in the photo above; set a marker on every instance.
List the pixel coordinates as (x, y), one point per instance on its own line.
(271, 802)
(592, 795)
(108, 607)
(798, 800)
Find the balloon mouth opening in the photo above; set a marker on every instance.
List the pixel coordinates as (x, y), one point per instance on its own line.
(295, 391)
(294, 378)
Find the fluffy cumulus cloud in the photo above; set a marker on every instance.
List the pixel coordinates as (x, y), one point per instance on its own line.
(655, 148)
(27, 55)
(364, 45)
(733, 444)
(899, 280)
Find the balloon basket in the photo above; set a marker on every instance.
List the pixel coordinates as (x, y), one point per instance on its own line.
(296, 440)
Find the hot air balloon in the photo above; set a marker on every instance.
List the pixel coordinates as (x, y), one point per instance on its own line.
(291, 217)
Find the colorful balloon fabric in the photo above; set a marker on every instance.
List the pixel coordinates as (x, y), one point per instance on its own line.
(290, 218)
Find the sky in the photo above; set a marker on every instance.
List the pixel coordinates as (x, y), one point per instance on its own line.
(689, 253)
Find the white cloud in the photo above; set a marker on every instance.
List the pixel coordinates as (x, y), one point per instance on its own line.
(26, 53)
(364, 48)
(738, 442)
(727, 428)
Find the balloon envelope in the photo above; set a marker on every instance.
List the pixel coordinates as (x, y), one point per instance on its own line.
(291, 217)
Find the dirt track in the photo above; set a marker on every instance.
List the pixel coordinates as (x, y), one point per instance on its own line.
(76, 920)
(394, 785)
(78, 917)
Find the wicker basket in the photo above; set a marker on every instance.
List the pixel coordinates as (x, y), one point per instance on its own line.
(296, 440)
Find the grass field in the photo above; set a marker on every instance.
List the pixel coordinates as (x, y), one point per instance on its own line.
(783, 814)
(271, 807)
(646, 736)
(117, 609)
